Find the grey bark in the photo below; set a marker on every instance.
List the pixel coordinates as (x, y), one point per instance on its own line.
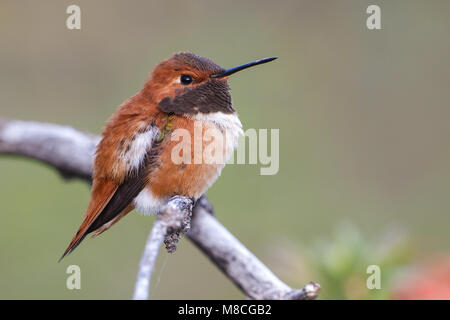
(71, 152)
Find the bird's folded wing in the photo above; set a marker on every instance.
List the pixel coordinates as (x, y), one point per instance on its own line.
(110, 201)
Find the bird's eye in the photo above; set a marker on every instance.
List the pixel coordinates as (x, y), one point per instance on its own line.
(185, 79)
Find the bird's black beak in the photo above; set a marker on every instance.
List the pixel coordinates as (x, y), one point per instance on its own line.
(229, 72)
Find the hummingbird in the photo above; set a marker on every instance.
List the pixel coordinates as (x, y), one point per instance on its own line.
(134, 166)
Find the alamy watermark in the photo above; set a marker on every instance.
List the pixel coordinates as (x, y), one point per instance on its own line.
(74, 280)
(373, 21)
(374, 280)
(73, 21)
(214, 146)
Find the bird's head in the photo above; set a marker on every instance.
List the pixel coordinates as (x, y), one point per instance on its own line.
(187, 84)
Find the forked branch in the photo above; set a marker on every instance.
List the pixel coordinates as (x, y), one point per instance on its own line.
(71, 152)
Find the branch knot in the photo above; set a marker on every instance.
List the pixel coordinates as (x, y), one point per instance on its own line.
(176, 217)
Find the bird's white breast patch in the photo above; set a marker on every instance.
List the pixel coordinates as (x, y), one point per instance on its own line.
(228, 123)
(146, 203)
(139, 147)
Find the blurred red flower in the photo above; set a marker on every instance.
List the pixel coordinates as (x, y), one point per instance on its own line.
(425, 282)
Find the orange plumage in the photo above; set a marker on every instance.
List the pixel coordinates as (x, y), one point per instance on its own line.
(134, 165)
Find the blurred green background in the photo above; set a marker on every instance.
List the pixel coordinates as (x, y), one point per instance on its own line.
(364, 137)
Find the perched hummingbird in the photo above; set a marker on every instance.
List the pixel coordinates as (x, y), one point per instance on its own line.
(134, 165)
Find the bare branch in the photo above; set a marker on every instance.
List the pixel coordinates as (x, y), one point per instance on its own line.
(68, 150)
(148, 259)
(174, 218)
(236, 261)
(71, 152)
